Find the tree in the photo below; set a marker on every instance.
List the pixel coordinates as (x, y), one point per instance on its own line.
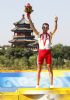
(66, 52)
(57, 51)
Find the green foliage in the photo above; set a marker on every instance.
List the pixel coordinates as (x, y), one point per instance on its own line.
(57, 51)
(2, 51)
(22, 58)
(20, 64)
(57, 63)
(66, 52)
(33, 61)
(67, 64)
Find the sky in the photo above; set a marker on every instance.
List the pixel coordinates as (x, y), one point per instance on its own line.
(44, 11)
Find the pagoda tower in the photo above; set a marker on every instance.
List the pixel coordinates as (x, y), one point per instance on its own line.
(23, 35)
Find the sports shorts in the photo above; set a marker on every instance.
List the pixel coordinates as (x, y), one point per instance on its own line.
(44, 54)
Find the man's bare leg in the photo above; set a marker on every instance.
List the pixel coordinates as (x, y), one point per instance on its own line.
(50, 74)
(38, 74)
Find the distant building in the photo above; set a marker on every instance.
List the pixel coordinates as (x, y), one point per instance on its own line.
(23, 35)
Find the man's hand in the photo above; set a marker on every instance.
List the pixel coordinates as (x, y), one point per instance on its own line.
(28, 15)
(56, 19)
(55, 25)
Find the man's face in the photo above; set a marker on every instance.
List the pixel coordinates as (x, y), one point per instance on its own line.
(45, 28)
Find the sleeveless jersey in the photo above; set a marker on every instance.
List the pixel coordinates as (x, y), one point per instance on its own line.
(44, 41)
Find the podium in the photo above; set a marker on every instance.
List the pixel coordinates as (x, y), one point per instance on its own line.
(20, 85)
(37, 94)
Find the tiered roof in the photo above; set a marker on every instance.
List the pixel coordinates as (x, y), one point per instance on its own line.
(22, 33)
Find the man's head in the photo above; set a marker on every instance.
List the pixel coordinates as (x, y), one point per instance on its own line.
(45, 27)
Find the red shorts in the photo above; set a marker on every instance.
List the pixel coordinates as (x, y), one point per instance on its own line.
(44, 54)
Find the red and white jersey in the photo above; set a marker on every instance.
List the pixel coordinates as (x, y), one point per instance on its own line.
(44, 41)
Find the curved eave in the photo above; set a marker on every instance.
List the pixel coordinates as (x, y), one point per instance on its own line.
(21, 30)
(22, 21)
(24, 37)
(16, 24)
(14, 41)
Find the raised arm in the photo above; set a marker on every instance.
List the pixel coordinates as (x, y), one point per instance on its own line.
(32, 25)
(55, 26)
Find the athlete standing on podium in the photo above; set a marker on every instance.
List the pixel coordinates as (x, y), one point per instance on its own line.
(44, 52)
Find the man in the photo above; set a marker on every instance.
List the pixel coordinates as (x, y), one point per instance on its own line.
(44, 52)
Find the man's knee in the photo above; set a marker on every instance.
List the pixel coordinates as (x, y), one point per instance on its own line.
(39, 68)
(49, 67)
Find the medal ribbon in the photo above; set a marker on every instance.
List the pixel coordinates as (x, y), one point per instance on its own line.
(44, 38)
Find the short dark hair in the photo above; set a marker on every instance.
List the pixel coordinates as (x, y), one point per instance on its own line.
(45, 24)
